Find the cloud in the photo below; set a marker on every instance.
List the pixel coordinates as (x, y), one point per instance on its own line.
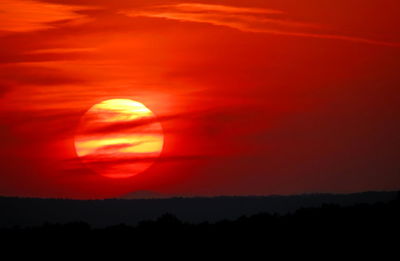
(28, 15)
(197, 7)
(24, 125)
(105, 162)
(20, 74)
(255, 20)
(118, 127)
(241, 18)
(62, 50)
(116, 147)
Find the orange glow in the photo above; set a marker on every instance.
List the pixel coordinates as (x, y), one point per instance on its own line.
(27, 15)
(251, 97)
(119, 138)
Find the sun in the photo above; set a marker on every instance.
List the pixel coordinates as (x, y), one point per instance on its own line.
(119, 138)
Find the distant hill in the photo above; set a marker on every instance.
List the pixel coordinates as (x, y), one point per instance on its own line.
(144, 194)
(101, 213)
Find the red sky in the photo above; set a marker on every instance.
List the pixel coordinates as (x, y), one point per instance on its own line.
(255, 97)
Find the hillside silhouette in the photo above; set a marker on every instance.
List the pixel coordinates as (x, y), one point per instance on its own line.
(360, 227)
(145, 194)
(30, 212)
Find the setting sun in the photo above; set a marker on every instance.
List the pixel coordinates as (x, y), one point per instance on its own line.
(119, 138)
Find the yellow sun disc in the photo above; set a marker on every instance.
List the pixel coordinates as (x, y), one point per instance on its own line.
(119, 138)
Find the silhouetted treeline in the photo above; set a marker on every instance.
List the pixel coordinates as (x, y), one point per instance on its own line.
(357, 223)
(104, 213)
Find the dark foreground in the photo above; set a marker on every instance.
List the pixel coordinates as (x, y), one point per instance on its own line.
(33, 212)
(365, 224)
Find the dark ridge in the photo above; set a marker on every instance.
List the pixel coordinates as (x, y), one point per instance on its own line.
(144, 194)
(108, 212)
(329, 226)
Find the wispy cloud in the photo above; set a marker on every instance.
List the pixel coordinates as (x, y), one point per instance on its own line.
(107, 162)
(29, 15)
(134, 159)
(256, 20)
(127, 126)
(62, 50)
(197, 7)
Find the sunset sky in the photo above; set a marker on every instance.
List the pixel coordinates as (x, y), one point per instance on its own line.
(255, 97)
